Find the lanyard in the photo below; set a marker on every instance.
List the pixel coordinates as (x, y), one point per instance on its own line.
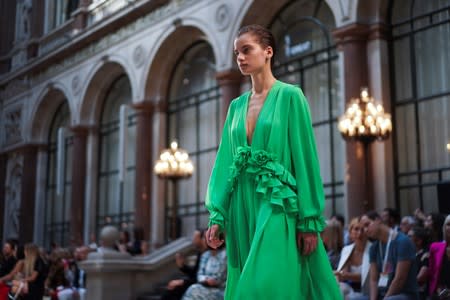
(386, 254)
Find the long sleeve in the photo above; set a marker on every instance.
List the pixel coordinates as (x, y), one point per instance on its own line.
(305, 165)
(217, 195)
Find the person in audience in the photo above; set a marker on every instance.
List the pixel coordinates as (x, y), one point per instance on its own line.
(392, 261)
(177, 287)
(346, 232)
(439, 265)
(18, 268)
(420, 237)
(407, 224)
(391, 218)
(434, 222)
(211, 276)
(9, 259)
(333, 241)
(353, 268)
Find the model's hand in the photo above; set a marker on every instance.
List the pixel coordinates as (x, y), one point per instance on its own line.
(307, 242)
(212, 237)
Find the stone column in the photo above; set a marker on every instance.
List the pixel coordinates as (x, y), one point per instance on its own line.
(28, 192)
(3, 165)
(352, 42)
(144, 167)
(230, 85)
(78, 184)
(36, 28)
(80, 15)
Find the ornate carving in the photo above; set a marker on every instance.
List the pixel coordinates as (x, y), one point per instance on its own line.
(13, 133)
(138, 56)
(23, 27)
(76, 86)
(223, 17)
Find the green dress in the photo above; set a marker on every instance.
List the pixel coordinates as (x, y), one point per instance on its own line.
(262, 194)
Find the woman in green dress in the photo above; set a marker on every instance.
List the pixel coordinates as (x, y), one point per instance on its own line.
(265, 192)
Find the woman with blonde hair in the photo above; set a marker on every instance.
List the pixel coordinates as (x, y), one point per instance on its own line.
(353, 269)
(31, 286)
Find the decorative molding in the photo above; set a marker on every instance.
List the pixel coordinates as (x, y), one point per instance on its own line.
(138, 56)
(143, 23)
(223, 17)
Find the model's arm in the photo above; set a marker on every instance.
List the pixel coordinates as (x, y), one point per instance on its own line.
(306, 169)
(217, 194)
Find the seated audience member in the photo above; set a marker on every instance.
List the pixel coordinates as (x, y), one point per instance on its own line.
(57, 281)
(176, 288)
(439, 265)
(109, 237)
(407, 224)
(211, 276)
(391, 218)
(346, 232)
(392, 261)
(420, 236)
(353, 268)
(9, 259)
(333, 241)
(18, 267)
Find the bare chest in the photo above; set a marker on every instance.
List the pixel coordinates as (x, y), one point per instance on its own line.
(255, 105)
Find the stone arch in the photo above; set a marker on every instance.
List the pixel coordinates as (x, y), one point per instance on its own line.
(169, 50)
(98, 83)
(52, 96)
(252, 13)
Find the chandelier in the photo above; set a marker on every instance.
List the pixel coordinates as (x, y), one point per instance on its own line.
(174, 163)
(365, 120)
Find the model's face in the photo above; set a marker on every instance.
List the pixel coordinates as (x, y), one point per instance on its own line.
(251, 57)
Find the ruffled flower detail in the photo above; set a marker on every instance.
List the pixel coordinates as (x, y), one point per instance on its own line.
(273, 181)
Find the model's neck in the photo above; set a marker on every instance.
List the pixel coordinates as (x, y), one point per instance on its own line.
(262, 82)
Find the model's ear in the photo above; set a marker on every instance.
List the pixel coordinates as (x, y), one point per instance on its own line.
(269, 52)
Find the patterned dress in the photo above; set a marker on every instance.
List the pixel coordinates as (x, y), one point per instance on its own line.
(262, 194)
(211, 266)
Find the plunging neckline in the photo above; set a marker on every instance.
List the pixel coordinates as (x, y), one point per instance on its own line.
(258, 117)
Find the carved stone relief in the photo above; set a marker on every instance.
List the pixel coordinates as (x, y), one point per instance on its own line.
(13, 198)
(12, 122)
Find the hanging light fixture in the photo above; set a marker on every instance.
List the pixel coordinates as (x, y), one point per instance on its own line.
(365, 120)
(174, 163)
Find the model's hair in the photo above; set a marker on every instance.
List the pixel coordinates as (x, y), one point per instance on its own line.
(264, 36)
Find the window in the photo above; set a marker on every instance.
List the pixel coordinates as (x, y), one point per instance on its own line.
(58, 198)
(194, 121)
(420, 68)
(307, 57)
(58, 12)
(116, 198)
